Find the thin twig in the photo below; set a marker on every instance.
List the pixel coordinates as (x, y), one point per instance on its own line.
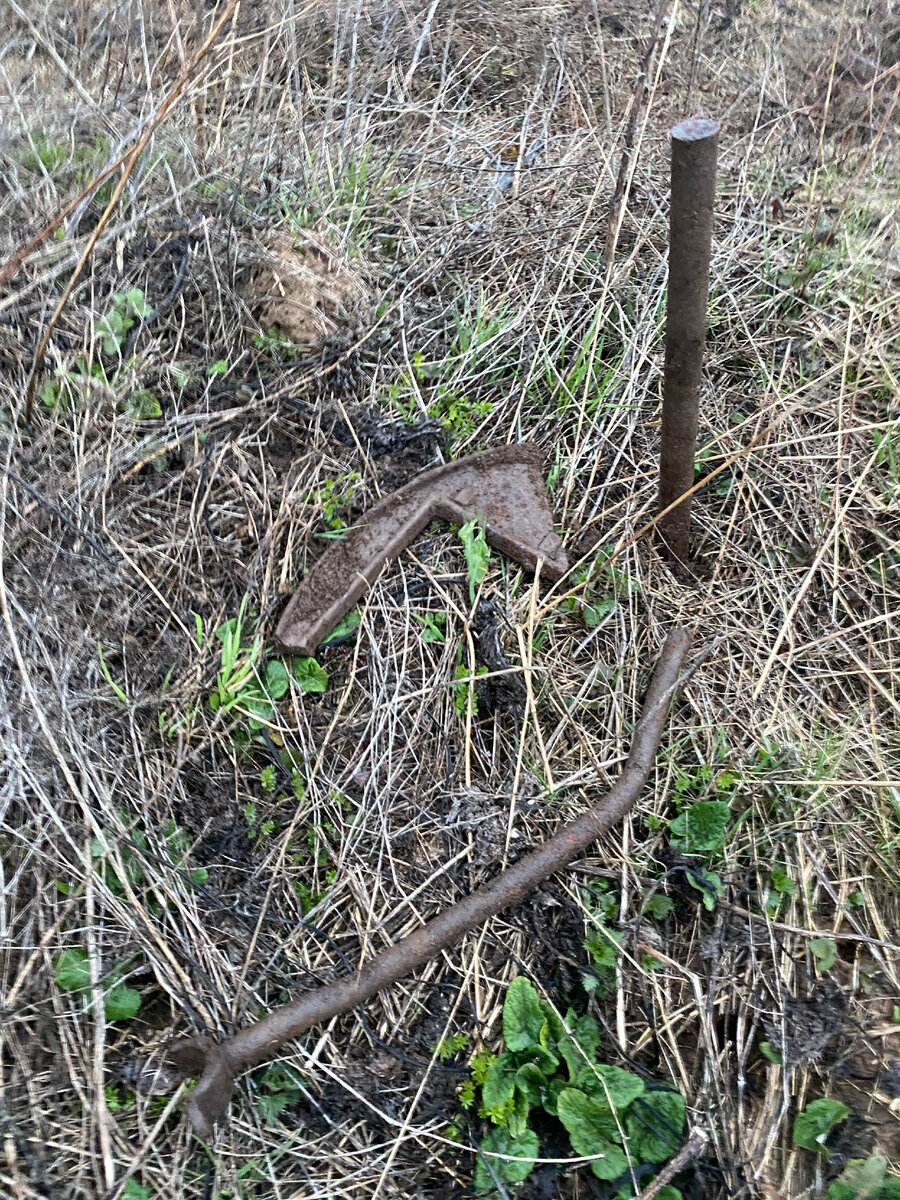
(692, 1149)
(56, 510)
(133, 158)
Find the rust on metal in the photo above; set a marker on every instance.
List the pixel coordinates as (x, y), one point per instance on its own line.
(219, 1064)
(504, 486)
(694, 149)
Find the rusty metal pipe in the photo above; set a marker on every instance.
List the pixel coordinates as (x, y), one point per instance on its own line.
(219, 1064)
(694, 150)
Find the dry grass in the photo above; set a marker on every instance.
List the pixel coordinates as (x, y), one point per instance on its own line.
(456, 163)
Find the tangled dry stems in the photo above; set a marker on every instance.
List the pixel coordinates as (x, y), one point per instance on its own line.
(491, 141)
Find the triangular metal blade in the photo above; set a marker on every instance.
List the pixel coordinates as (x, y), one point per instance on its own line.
(503, 485)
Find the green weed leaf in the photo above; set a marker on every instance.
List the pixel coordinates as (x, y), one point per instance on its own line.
(813, 1125)
(135, 303)
(476, 551)
(603, 946)
(532, 1082)
(590, 1121)
(517, 1119)
(121, 1003)
(576, 1038)
(611, 1084)
(525, 1147)
(701, 828)
(277, 679)
(863, 1179)
(134, 1191)
(449, 1047)
(825, 952)
(523, 1018)
(770, 1054)
(707, 882)
(658, 906)
(142, 405)
(498, 1088)
(782, 882)
(594, 613)
(71, 970)
(613, 1163)
(228, 630)
(434, 627)
(655, 1125)
(309, 676)
(348, 625)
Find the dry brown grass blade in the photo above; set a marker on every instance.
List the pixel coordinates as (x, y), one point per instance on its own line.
(129, 162)
(639, 108)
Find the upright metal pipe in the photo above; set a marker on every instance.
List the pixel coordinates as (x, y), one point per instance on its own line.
(694, 147)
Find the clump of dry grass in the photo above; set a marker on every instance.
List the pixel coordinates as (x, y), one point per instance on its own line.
(459, 164)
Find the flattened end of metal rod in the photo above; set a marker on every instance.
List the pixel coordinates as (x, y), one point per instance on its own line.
(695, 129)
(503, 485)
(208, 1102)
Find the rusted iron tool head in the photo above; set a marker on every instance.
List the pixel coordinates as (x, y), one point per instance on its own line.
(503, 485)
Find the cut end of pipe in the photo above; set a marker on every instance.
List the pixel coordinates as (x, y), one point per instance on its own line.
(695, 130)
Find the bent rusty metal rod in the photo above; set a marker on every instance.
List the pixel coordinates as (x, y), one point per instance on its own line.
(219, 1064)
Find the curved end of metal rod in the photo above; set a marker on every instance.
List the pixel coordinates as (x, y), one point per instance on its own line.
(208, 1102)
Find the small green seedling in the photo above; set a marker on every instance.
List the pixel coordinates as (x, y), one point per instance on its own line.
(246, 685)
(276, 1089)
(434, 623)
(782, 887)
(255, 828)
(815, 1123)
(274, 343)
(199, 634)
(550, 1063)
(344, 630)
(237, 665)
(824, 951)
(141, 405)
(449, 1047)
(114, 327)
(175, 846)
(67, 386)
(865, 1179)
(700, 830)
(71, 970)
(119, 693)
(462, 688)
(602, 585)
(309, 675)
(770, 1054)
(335, 497)
(134, 1191)
(477, 553)
(604, 946)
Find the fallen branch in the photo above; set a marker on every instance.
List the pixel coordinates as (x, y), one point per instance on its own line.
(219, 1064)
(692, 1148)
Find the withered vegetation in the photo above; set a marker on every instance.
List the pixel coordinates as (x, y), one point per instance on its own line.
(369, 237)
